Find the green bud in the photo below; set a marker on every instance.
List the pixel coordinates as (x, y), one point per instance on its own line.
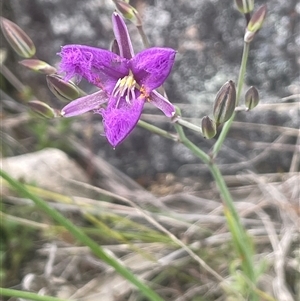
(128, 12)
(63, 90)
(225, 102)
(39, 66)
(255, 23)
(244, 6)
(209, 127)
(43, 109)
(17, 38)
(251, 98)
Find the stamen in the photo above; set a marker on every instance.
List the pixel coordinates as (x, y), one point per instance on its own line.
(125, 87)
(132, 92)
(114, 92)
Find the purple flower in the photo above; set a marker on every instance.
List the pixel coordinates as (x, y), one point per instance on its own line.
(126, 81)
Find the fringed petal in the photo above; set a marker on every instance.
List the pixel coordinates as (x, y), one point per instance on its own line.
(122, 36)
(162, 103)
(100, 67)
(152, 66)
(84, 104)
(119, 121)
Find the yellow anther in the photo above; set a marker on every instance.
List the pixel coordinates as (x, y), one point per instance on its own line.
(125, 87)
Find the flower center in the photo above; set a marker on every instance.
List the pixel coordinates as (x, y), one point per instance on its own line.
(125, 88)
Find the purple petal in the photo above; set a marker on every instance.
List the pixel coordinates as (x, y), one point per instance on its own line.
(122, 36)
(162, 103)
(152, 66)
(84, 104)
(120, 121)
(100, 67)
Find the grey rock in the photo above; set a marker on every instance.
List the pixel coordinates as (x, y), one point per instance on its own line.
(50, 169)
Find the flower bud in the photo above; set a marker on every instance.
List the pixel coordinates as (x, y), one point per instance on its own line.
(43, 109)
(225, 102)
(17, 38)
(128, 12)
(251, 98)
(255, 23)
(244, 6)
(209, 127)
(63, 90)
(39, 66)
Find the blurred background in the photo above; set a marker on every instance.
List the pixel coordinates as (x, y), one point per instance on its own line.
(259, 159)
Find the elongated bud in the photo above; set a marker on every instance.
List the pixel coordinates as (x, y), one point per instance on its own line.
(209, 127)
(244, 6)
(128, 12)
(251, 98)
(63, 90)
(225, 102)
(255, 23)
(17, 38)
(39, 66)
(43, 109)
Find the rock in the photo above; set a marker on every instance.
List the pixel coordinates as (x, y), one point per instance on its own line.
(49, 169)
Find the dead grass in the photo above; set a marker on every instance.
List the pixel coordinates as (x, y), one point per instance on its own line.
(177, 241)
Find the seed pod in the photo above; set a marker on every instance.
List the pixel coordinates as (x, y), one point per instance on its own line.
(225, 102)
(17, 38)
(128, 12)
(63, 90)
(43, 109)
(39, 66)
(244, 6)
(209, 127)
(251, 98)
(255, 23)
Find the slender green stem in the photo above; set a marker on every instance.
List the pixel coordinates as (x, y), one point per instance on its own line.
(194, 148)
(83, 238)
(240, 238)
(239, 234)
(225, 194)
(156, 130)
(188, 125)
(227, 125)
(190, 145)
(242, 72)
(144, 36)
(26, 295)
